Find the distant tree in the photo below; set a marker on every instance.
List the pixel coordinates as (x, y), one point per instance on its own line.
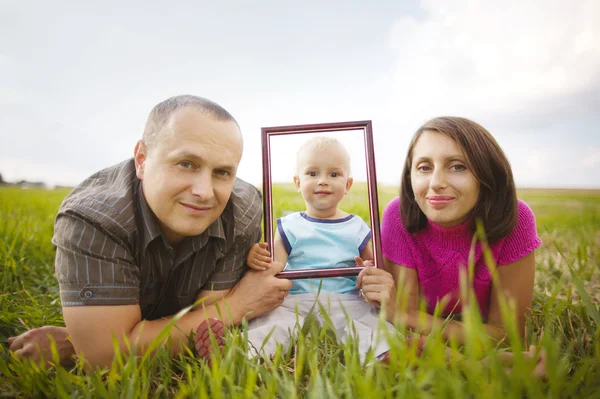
(1, 179)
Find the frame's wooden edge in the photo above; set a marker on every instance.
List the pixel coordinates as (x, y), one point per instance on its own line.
(320, 273)
(373, 195)
(267, 191)
(366, 127)
(316, 127)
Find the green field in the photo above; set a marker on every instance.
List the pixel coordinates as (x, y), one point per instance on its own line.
(564, 322)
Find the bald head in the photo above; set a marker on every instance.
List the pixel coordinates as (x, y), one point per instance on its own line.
(162, 113)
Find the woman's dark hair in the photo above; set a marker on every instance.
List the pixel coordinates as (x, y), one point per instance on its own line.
(497, 203)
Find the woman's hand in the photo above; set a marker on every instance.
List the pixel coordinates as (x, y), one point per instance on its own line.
(377, 287)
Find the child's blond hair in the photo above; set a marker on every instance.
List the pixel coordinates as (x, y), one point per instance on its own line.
(321, 143)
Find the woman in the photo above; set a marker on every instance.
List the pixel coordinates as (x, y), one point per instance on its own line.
(454, 174)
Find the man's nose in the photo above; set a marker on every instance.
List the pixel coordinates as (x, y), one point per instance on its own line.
(202, 185)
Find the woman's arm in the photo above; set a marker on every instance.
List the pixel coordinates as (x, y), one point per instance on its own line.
(516, 280)
(516, 284)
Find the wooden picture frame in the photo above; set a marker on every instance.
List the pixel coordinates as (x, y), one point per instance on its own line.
(366, 127)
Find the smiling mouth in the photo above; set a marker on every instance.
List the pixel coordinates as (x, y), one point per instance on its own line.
(323, 192)
(198, 210)
(440, 200)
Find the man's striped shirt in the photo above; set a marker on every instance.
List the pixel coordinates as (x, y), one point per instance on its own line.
(110, 250)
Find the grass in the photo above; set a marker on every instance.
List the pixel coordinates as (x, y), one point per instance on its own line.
(564, 321)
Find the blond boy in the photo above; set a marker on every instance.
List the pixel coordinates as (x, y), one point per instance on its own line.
(322, 236)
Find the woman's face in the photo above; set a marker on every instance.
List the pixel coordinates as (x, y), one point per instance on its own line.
(444, 187)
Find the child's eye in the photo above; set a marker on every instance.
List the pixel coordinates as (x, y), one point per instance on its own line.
(313, 174)
(335, 174)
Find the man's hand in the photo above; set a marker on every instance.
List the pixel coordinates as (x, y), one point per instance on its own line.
(259, 292)
(36, 344)
(259, 257)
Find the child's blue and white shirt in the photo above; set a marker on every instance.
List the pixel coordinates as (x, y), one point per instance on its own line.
(322, 243)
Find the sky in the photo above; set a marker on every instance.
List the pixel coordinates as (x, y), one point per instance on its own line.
(78, 79)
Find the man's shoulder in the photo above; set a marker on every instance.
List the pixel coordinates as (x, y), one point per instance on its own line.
(106, 198)
(247, 207)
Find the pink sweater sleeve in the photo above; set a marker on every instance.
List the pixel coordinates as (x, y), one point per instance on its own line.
(523, 239)
(395, 240)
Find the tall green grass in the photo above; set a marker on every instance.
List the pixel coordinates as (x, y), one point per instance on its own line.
(564, 322)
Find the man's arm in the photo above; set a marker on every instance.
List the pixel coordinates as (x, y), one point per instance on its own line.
(91, 328)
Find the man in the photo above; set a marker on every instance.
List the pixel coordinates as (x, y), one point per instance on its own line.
(141, 240)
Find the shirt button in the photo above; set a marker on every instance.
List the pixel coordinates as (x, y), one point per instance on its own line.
(88, 294)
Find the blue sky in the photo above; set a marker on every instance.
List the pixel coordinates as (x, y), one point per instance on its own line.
(77, 79)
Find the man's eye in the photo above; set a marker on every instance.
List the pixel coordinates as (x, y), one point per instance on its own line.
(185, 164)
(222, 173)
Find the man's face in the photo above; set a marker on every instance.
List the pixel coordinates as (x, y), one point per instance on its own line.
(188, 174)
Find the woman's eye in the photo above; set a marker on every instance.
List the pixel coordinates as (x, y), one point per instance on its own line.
(458, 167)
(423, 168)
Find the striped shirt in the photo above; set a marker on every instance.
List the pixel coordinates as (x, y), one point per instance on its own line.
(110, 250)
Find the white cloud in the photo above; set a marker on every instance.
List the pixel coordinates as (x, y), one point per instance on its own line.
(488, 57)
(592, 159)
(539, 165)
(77, 101)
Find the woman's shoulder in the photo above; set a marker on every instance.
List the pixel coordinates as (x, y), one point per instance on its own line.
(523, 238)
(524, 213)
(525, 224)
(391, 214)
(391, 221)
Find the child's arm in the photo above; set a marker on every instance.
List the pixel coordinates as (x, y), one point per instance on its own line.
(281, 254)
(259, 257)
(366, 257)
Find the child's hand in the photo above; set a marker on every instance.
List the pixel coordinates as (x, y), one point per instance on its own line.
(259, 257)
(365, 263)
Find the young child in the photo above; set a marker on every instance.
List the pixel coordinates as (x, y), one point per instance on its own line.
(322, 236)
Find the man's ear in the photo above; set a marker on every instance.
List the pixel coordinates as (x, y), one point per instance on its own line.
(140, 153)
(349, 183)
(297, 183)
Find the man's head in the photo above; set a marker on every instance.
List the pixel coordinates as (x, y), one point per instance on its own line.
(322, 173)
(187, 160)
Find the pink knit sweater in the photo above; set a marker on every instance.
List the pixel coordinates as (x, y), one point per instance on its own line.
(438, 253)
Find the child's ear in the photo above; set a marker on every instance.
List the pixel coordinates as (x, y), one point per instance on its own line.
(349, 184)
(297, 183)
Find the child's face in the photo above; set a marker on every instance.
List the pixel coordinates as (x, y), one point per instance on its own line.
(323, 178)
(444, 187)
